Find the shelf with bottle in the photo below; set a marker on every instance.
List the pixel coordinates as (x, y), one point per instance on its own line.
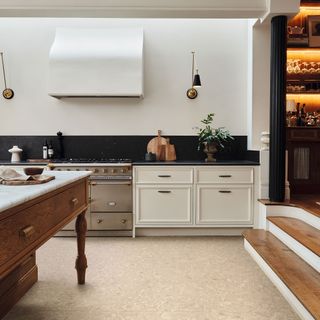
(298, 115)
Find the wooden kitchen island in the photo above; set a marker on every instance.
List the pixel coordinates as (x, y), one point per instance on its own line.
(31, 215)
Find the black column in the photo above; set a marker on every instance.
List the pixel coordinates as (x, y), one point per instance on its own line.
(277, 108)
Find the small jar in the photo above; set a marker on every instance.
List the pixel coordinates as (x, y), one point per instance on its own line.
(15, 154)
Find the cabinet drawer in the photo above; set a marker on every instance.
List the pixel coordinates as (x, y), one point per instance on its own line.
(224, 175)
(224, 205)
(164, 175)
(22, 229)
(162, 205)
(111, 221)
(106, 197)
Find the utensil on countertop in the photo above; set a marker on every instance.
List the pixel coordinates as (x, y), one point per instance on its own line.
(157, 145)
(170, 151)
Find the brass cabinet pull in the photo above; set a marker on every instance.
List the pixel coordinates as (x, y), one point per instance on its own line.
(224, 191)
(164, 176)
(164, 191)
(225, 176)
(75, 201)
(27, 232)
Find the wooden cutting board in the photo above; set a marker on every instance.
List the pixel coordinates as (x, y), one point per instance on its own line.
(157, 145)
(37, 180)
(170, 151)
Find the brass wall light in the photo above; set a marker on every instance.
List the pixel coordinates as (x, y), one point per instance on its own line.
(192, 93)
(7, 93)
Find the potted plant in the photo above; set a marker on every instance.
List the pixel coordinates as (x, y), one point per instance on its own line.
(212, 139)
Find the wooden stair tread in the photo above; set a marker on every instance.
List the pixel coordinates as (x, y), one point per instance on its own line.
(300, 231)
(298, 276)
(307, 202)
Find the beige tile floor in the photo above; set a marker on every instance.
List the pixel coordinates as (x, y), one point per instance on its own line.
(152, 278)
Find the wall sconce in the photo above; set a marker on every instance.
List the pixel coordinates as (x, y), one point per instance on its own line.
(7, 93)
(192, 93)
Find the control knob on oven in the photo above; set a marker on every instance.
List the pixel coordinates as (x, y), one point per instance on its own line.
(123, 170)
(113, 170)
(99, 221)
(96, 170)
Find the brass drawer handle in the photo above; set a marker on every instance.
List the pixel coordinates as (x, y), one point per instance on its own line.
(225, 176)
(75, 201)
(164, 176)
(224, 191)
(27, 232)
(164, 191)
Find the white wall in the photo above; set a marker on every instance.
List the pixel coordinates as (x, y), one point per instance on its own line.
(221, 47)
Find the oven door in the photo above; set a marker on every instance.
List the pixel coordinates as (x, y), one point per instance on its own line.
(110, 196)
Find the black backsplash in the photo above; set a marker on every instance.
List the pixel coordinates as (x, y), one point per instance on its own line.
(131, 147)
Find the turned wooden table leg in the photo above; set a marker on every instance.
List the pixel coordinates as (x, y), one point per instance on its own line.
(81, 262)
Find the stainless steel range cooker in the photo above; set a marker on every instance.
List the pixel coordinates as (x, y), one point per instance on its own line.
(110, 192)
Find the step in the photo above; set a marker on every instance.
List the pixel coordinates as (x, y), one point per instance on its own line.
(300, 278)
(302, 232)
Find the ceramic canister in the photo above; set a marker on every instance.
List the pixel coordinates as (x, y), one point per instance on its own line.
(15, 154)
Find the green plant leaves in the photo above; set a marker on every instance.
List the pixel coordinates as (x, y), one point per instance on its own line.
(209, 134)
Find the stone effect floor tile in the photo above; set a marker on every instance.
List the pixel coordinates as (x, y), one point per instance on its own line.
(176, 278)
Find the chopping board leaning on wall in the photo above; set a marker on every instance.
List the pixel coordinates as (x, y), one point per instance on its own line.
(162, 148)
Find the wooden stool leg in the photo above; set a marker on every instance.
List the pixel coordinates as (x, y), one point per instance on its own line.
(81, 262)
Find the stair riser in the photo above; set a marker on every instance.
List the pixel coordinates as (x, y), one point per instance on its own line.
(284, 290)
(293, 212)
(307, 255)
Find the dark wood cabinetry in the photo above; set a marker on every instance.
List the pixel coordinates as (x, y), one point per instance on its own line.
(303, 145)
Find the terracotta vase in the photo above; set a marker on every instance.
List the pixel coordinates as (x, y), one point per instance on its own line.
(210, 149)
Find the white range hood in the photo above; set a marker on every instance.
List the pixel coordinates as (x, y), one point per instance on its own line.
(96, 62)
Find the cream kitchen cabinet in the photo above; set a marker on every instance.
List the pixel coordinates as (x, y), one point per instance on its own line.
(164, 204)
(224, 196)
(200, 196)
(163, 196)
(224, 205)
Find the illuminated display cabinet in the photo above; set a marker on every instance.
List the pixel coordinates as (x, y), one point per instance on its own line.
(303, 101)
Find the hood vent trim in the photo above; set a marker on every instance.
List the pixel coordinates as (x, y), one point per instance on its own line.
(96, 62)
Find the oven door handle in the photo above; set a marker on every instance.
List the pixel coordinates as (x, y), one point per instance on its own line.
(109, 182)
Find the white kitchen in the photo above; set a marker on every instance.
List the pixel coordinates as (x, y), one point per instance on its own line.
(143, 163)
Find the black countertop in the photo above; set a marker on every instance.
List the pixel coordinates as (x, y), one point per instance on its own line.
(151, 163)
(198, 163)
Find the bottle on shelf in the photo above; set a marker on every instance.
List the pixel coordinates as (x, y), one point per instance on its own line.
(45, 150)
(298, 115)
(303, 115)
(50, 151)
(299, 119)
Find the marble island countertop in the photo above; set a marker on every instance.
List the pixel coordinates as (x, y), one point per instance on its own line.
(11, 196)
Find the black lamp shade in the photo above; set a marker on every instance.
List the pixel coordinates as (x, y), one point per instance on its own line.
(196, 81)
